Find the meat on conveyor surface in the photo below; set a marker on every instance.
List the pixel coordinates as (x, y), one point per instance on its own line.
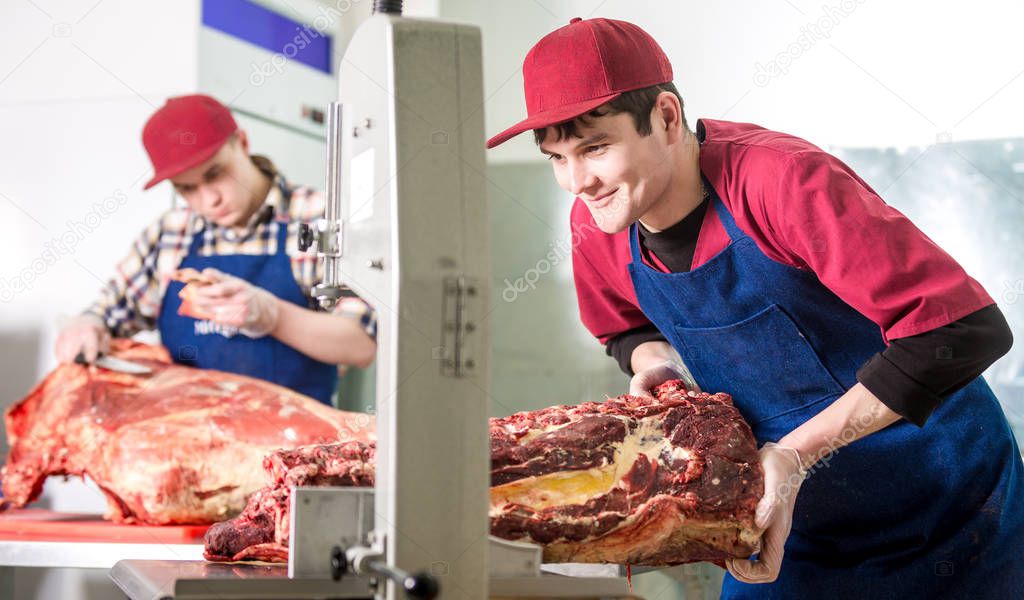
(631, 480)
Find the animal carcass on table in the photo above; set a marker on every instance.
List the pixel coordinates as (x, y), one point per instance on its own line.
(181, 445)
(632, 480)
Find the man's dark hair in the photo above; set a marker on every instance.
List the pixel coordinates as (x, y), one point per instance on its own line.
(637, 103)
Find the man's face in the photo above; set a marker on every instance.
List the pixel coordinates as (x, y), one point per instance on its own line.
(215, 188)
(615, 171)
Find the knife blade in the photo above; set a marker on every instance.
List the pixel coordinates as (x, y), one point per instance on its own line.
(112, 363)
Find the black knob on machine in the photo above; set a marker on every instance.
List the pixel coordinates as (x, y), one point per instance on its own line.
(421, 585)
(305, 237)
(339, 564)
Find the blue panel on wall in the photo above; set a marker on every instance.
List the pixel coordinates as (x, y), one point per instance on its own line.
(267, 29)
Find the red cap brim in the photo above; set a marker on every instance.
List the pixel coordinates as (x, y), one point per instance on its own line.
(551, 117)
(194, 160)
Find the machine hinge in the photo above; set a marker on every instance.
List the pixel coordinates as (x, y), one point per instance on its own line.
(459, 326)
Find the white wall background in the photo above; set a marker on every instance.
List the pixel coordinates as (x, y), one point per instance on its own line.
(74, 93)
(856, 72)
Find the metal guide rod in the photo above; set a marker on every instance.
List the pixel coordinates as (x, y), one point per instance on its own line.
(326, 232)
(331, 249)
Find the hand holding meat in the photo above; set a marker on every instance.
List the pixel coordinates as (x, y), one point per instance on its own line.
(229, 300)
(647, 379)
(85, 334)
(783, 474)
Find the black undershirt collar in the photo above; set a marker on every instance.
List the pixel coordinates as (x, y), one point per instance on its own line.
(676, 245)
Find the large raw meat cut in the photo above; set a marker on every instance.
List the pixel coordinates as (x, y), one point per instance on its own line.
(632, 480)
(261, 531)
(182, 445)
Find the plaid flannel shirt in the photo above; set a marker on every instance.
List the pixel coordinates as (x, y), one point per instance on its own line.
(131, 300)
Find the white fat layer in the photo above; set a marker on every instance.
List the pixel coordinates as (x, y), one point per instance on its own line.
(576, 487)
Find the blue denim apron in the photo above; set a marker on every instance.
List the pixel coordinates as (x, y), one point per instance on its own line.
(207, 345)
(908, 512)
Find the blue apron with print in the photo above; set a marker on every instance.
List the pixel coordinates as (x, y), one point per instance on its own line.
(203, 344)
(907, 512)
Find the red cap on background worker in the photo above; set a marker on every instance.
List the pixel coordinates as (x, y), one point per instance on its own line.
(778, 276)
(184, 133)
(239, 228)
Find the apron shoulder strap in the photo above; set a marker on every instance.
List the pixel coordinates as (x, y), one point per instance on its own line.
(282, 224)
(282, 217)
(287, 190)
(634, 244)
(735, 233)
(198, 227)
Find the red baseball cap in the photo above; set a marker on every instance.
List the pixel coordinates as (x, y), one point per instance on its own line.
(582, 65)
(186, 131)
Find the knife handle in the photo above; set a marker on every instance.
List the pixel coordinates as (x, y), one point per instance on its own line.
(80, 358)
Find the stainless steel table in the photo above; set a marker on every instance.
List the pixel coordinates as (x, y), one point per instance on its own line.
(200, 580)
(191, 580)
(89, 555)
(16, 553)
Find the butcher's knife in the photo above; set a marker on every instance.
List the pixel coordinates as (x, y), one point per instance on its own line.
(112, 363)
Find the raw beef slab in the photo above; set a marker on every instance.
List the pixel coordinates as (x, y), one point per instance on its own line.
(632, 480)
(261, 531)
(182, 445)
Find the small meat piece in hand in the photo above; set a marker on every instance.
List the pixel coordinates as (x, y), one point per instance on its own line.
(193, 280)
(232, 302)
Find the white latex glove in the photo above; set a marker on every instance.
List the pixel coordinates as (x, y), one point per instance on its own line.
(645, 380)
(86, 334)
(783, 474)
(238, 303)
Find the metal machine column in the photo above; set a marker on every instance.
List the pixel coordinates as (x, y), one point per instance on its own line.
(415, 245)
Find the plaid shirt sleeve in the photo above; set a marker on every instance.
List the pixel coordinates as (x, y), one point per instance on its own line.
(357, 309)
(130, 301)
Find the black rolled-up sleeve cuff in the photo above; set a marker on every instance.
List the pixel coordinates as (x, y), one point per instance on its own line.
(897, 390)
(621, 347)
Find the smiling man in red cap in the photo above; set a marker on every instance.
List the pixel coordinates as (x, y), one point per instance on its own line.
(767, 269)
(239, 228)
